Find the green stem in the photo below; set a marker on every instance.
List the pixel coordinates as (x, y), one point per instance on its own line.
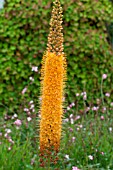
(102, 96)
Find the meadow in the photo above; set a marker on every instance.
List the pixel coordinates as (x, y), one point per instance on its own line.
(87, 137)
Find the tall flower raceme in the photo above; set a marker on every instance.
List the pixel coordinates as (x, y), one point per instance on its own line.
(53, 77)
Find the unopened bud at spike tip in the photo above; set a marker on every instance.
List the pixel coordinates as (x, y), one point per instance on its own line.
(55, 34)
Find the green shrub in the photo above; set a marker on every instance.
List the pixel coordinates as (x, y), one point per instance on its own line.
(89, 54)
(24, 28)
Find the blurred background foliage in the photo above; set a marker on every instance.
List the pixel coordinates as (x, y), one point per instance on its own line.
(88, 39)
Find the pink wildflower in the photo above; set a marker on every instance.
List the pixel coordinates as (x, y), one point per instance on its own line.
(73, 104)
(9, 148)
(77, 94)
(85, 97)
(83, 93)
(71, 130)
(34, 68)
(95, 108)
(73, 138)
(87, 109)
(71, 115)
(102, 153)
(66, 120)
(11, 141)
(31, 102)
(78, 128)
(75, 168)
(6, 135)
(90, 157)
(26, 109)
(81, 126)
(31, 78)
(104, 76)
(102, 117)
(32, 106)
(8, 130)
(77, 117)
(18, 122)
(107, 94)
(33, 110)
(104, 108)
(32, 161)
(24, 90)
(29, 119)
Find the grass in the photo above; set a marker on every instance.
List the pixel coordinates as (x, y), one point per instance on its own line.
(87, 138)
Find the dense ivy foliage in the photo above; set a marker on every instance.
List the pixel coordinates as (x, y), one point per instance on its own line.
(24, 26)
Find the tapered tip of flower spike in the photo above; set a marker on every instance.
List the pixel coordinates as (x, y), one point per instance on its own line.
(55, 37)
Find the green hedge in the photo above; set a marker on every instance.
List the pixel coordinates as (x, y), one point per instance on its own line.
(24, 26)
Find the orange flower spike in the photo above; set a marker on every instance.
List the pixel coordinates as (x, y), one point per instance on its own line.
(53, 75)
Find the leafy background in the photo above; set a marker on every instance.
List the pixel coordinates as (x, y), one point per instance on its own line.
(24, 27)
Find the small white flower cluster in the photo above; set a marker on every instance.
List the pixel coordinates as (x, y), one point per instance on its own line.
(70, 106)
(95, 108)
(35, 68)
(29, 110)
(84, 94)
